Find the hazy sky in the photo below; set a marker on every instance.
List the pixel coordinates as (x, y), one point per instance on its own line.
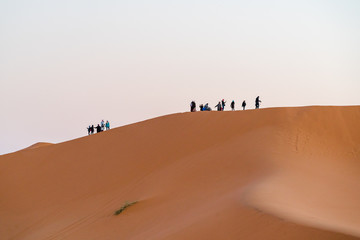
(67, 64)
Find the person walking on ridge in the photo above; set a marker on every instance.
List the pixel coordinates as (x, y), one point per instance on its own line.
(218, 106)
(257, 102)
(222, 105)
(107, 125)
(243, 104)
(89, 130)
(232, 105)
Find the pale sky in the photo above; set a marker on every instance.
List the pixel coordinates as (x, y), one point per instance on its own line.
(70, 63)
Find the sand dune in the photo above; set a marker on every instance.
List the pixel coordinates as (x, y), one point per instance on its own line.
(282, 173)
(39, 144)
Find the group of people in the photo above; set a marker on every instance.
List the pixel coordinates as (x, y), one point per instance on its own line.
(99, 128)
(221, 105)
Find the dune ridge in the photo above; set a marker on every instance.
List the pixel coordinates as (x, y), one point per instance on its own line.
(39, 144)
(280, 173)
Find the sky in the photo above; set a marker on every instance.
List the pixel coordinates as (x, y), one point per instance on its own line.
(67, 64)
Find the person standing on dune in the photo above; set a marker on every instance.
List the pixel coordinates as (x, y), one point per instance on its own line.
(218, 106)
(232, 105)
(107, 125)
(102, 125)
(243, 104)
(257, 102)
(98, 128)
(222, 105)
(192, 106)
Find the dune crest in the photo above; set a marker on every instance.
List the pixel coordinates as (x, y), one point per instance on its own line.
(39, 144)
(281, 173)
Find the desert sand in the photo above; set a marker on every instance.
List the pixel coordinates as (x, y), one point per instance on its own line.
(279, 173)
(39, 144)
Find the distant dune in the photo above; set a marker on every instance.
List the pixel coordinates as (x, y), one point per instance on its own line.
(280, 173)
(39, 144)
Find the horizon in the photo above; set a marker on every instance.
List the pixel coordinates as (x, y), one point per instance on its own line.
(68, 64)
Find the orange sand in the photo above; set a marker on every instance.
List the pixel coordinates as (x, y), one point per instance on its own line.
(39, 144)
(282, 173)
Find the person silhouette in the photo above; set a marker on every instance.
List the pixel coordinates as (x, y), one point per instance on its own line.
(102, 125)
(206, 107)
(257, 102)
(232, 105)
(218, 106)
(193, 106)
(222, 105)
(98, 128)
(243, 104)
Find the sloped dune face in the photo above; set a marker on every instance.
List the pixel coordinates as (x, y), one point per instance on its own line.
(318, 169)
(286, 173)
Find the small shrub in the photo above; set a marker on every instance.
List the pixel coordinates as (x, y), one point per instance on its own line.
(126, 204)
